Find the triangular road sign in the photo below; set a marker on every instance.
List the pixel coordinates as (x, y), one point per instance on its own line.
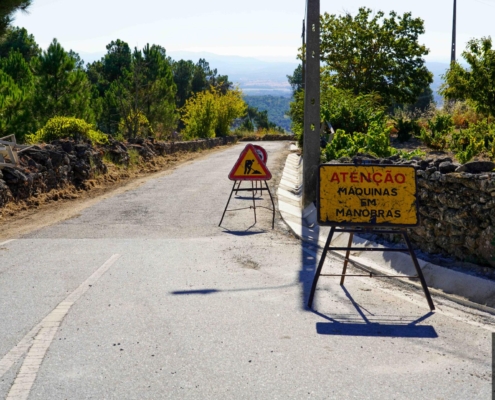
(249, 167)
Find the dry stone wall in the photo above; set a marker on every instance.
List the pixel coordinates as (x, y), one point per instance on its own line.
(65, 162)
(456, 206)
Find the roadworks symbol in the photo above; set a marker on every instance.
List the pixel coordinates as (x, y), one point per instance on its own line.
(250, 167)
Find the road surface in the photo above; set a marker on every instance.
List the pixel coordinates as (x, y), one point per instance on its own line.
(143, 296)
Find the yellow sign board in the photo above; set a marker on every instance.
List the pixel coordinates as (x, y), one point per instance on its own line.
(367, 195)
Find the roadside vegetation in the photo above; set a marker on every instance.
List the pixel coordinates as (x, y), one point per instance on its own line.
(128, 94)
(376, 96)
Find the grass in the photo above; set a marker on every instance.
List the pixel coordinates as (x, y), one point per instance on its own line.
(134, 160)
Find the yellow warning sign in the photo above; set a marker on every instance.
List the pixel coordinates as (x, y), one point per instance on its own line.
(363, 195)
(249, 166)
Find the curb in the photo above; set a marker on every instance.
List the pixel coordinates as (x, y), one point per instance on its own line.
(468, 290)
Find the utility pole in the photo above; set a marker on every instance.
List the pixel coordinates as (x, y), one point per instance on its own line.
(311, 150)
(303, 77)
(454, 26)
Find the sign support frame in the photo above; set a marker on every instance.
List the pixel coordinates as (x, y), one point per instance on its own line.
(369, 274)
(356, 227)
(253, 190)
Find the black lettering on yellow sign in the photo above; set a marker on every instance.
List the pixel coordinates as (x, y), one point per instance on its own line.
(367, 195)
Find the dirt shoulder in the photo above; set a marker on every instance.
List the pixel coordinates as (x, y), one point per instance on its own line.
(20, 218)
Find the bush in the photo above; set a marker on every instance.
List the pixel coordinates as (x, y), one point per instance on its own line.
(346, 111)
(437, 132)
(469, 143)
(135, 124)
(463, 113)
(67, 127)
(210, 113)
(341, 108)
(376, 141)
(406, 129)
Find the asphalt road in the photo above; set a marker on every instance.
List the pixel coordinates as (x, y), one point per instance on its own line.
(143, 296)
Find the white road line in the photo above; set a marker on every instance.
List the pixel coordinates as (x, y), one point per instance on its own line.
(38, 340)
(7, 241)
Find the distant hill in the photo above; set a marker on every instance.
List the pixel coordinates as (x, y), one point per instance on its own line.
(276, 106)
(254, 76)
(438, 69)
(258, 78)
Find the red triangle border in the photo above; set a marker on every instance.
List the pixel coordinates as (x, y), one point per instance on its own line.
(265, 177)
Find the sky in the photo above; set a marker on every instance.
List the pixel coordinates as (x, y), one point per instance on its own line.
(264, 29)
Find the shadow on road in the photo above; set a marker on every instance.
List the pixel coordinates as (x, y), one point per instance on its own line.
(377, 327)
(217, 291)
(246, 232)
(308, 269)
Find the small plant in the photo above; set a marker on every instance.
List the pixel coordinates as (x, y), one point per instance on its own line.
(134, 157)
(405, 155)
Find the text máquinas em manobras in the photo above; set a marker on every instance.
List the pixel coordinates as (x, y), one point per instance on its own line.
(377, 195)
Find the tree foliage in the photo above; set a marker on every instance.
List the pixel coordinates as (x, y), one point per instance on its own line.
(476, 83)
(62, 89)
(193, 78)
(44, 95)
(296, 79)
(7, 10)
(211, 113)
(18, 39)
(370, 53)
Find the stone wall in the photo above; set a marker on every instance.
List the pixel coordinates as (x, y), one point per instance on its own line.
(62, 163)
(457, 211)
(267, 138)
(456, 205)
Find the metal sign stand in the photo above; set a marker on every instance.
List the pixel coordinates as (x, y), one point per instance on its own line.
(368, 273)
(253, 190)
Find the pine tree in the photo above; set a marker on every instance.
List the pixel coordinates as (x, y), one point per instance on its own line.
(62, 88)
(7, 10)
(20, 40)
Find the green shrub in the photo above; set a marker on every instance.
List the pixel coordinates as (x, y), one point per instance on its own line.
(67, 127)
(346, 111)
(437, 132)
(478, 138)
(406, 129)
(376, 141)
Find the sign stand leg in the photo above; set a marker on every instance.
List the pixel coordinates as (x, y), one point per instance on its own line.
(320, 266)
(346, 261)
(224, 211)
(348, 249)
(418, 270)
(254, 203)
(238, 186)
(273, 204)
